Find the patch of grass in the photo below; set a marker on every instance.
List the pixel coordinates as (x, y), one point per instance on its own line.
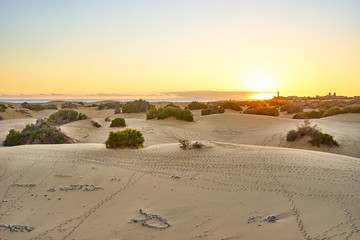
(128, 138)
(118, 122)
(65, 116)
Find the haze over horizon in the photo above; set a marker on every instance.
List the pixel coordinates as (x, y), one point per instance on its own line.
(145, 48)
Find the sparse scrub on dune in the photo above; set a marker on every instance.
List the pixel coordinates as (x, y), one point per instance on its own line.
(231, 105)
(110, 105)
(38, 107)
(317, 137)
(118, 122)
(95, 123)
(291, 108)
(327, 113)
(137, 106)
(107, 119)
(2, 107)
(69, 105)
(170, 111)
(270, 111)
(187, 144)
(128, 138)
(65, 116)
(214, 110)
(39, 133)
(197, 105)
(117, 110)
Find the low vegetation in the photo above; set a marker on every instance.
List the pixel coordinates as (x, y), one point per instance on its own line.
(107, 119)
(270, 111)
(128, 138)
(2, 107)
(317, 137)
(65, 116)
(231, 105)
(213, 110)
(137, 106)
(109, 105)
(170, 111)
(118, 122)
(38, 107)
(326, 113)
(187, 144)
(291, 108)
(69, 105)
(197, 105)
(95, 124)
(39, 133)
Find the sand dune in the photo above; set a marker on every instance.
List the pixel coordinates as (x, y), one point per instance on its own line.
(230, 127)
(224, 191)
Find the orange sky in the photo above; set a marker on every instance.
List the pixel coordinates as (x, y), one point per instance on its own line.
(82, 47)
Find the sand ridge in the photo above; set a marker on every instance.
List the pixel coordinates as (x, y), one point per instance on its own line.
(211, 192)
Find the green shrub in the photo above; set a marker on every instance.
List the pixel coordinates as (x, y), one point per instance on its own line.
(128, 138)
(292, 136)
(197, 105)
(332, 111)
(118, 122)
(214, 110)
(38, 107)
(169, 111)
(117, 110)
(109, 105)
(68, 105)
(137, 106)
(311, 114)
(291, 108)
(317, 137)
(2, 107)
(323, 138)
(95, 124)
(152, 113)
(352, 109)
(65, 116)
(270, 111)
(81, 103)
(107, 119)
(231, 105)
(36, 134)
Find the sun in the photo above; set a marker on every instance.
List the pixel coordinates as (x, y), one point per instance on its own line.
(259, 83)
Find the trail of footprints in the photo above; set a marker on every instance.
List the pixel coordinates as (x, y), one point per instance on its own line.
(224, 167)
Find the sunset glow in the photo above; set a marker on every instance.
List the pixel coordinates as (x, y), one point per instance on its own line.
(145, 48)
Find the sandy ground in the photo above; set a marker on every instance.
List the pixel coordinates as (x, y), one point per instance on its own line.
(245, 175)
(224, 191)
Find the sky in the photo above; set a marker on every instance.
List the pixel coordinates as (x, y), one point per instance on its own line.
(153, 48)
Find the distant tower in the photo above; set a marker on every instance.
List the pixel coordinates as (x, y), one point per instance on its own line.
(329, 93)
(334, 94)
(278, 94)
